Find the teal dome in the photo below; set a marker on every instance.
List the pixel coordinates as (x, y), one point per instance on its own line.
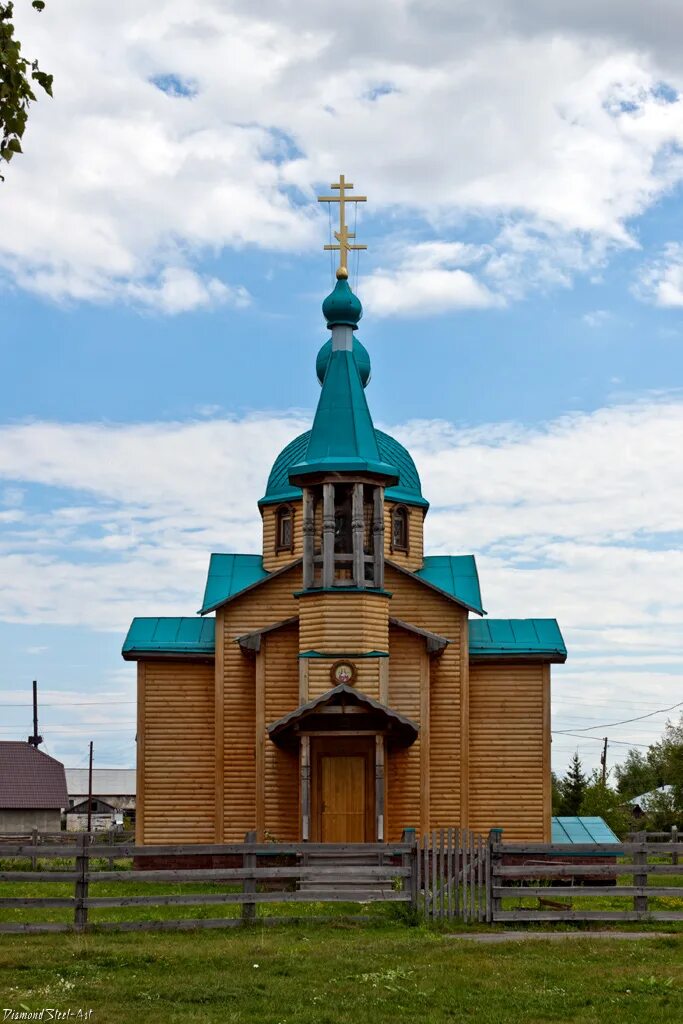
(360, 354)
(342, 307)
(408, 489)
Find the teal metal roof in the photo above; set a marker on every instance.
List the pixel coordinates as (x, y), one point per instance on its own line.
(342, 439)
(230, 575)
(582, 830)
(456, 575)
(341, 306)
(170, 636)
(360, 354)
(408, 489)
(517, 638)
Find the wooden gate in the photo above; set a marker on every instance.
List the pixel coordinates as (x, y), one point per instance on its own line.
(453, 869)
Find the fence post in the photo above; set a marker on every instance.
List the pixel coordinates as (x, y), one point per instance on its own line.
(34, 842)
(494, 861)
(640, 903)
(409, 860)
(249, 884)
(674, 839)
(82, 882)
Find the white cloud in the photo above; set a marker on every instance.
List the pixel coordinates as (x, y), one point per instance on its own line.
(598, 318)
(661, 280)
(554, 130)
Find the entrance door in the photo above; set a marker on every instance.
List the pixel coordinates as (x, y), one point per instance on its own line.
(343, 804)
(342, 782)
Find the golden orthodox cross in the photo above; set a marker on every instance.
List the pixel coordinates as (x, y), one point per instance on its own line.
(343, 236)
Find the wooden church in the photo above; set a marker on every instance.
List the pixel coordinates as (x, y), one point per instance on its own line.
(342, 685)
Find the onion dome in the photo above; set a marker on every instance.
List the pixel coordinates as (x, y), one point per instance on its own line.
(408, 490)
(360, 354)
(342, 307)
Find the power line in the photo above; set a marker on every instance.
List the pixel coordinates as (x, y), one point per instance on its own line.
(600, 739)
(626, 721)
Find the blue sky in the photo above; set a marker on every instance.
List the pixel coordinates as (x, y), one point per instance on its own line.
(161, 274)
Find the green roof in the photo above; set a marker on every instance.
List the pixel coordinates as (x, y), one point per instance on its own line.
(230, 575)
(342, 439)
(407, 490)
(582, 830)
(498, 638)
(170, 636)
(456, 575)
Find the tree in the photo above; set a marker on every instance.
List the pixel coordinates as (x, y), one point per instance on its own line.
(573, 787)
(600, 800)
(638, 774)
(17, 78)
(557, 793)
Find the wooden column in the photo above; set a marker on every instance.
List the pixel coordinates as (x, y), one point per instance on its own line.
(305, 781)
(384, 680)
(357, 530)
(424, 743)
(140, 758)
(328, 535)
(303, 680)
(547, 767)
(378, 537)
(219, 775)
(260, 696)
(464, 721)
(308, 530)
(379, 786)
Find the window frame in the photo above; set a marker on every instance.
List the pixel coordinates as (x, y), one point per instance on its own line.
(403, 512)
(283, 512)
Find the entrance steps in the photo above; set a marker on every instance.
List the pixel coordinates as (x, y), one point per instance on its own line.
(337, 873)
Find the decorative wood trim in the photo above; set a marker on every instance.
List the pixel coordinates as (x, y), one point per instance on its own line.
(404, 511)
(308, 530)
(547, 777)
(357, 530)
(380, 789)
(260, 760)
(424, 743)
(285, 509)
(378, 537)
(140, 758)
(464, 722)
(384, 681)
(219, 726)
(303, 680)
(305, 786)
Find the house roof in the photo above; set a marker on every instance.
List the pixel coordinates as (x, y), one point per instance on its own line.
(166, 636)
(229, 575)
(105, 781)
(99, 806)
(572, 830)
(454, 576)
(30, 779)
(517, 638)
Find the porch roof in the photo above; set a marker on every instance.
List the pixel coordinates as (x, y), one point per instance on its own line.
(400, 728)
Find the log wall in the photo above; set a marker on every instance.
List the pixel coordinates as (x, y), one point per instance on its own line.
(448, 695)
(404, 774)
(352, 622)
(367, 676)
(280, 767)
(235, 700)
(509, 750)
(176, 764)
(273, 559)
(413, 558)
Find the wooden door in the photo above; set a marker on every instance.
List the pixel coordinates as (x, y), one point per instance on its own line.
(343, 805)
(342, 795)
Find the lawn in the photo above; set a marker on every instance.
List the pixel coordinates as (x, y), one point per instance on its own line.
(339, 973)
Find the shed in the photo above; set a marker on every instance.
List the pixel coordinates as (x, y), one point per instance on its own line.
(32, 789)
(116, 786)
(103, 816)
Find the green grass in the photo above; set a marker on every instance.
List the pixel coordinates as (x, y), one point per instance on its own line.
(341, 974)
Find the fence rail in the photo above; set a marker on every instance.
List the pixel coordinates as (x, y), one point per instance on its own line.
(545, 863)
(348, 873)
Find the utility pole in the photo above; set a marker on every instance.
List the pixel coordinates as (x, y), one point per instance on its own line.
(35, 740)
(90, 789)
(603, 761)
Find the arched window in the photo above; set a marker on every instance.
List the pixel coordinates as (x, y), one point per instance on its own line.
(284, 529)
(399, 528)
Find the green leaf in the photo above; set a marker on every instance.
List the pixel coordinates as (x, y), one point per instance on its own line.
(38, 5)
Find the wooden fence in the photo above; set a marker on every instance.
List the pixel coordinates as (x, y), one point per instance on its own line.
(551, 874)
(36, 838)
(452, 875)
(323, 873)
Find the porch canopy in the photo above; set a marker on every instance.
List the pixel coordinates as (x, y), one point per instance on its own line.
(340, 710)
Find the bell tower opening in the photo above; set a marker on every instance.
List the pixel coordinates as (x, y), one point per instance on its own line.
(343, 535)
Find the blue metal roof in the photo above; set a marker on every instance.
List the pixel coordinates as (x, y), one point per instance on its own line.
(170, 636)
(230, 575)
(517, 638)
(582, 830)
(408, 488)
(456, 575)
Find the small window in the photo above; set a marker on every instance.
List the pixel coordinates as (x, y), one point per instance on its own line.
(284, 538)
(399, 529)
